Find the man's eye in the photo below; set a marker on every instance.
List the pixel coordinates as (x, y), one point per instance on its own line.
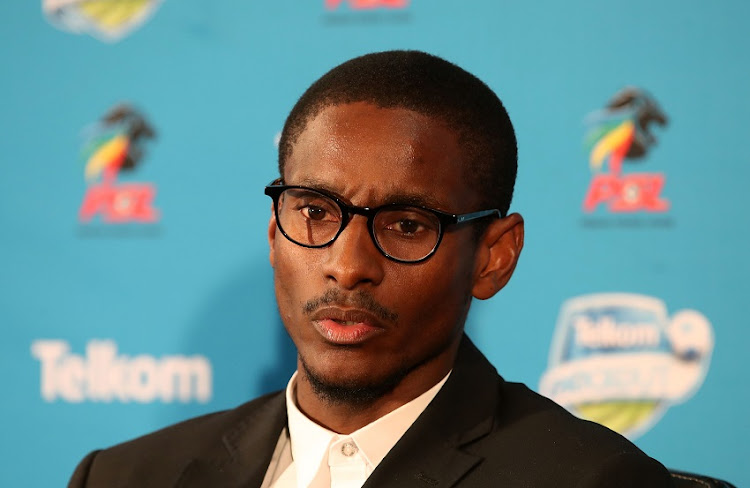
(406, 226)
(315, 213)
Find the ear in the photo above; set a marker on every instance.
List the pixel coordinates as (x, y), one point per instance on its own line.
(497, 255)
(272, 236)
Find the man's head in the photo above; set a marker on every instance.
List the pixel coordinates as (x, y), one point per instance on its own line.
(430, 86)
(391, 128)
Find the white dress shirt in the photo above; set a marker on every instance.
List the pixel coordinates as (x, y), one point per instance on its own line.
(310, 456)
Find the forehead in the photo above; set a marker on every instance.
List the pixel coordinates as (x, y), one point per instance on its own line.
(371, 155)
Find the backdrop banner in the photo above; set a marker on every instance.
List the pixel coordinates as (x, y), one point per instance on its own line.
(138, 136)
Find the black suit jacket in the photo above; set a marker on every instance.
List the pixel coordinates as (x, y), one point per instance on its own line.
(479, 431)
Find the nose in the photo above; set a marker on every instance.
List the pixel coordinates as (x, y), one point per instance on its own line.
(352, 259)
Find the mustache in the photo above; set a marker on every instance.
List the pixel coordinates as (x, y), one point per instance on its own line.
(360, 299)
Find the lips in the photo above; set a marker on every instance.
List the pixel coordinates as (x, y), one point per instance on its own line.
(346, 326)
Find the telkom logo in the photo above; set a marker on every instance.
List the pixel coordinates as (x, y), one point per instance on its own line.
(104, 376)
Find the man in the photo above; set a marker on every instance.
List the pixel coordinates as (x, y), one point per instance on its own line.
(390, 215)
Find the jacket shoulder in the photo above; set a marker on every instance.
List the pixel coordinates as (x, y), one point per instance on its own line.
(540, 438)
(160, 456)
(195, 433)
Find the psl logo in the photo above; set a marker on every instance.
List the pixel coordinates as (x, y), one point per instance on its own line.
(115, 145)
(367, 4)
(619, 360)
(620, 133)
(108, 20)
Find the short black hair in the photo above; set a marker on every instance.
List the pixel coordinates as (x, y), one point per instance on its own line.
(433, 87)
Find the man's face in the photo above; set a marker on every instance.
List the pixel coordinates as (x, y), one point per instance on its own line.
(357, 318)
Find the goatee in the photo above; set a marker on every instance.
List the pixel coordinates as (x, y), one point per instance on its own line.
(351, 393)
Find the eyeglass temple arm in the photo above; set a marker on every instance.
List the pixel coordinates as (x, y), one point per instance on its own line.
(477, 215)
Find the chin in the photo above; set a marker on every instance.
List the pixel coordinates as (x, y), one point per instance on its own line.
(355, 388)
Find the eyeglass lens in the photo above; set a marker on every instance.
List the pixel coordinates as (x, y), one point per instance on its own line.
(312, 219)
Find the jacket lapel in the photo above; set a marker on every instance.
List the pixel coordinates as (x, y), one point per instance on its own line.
(431, 452)
(241, 457)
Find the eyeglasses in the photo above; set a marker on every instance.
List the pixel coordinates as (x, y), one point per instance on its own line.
(404, 233)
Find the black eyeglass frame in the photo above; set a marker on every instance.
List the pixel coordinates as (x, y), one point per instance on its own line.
(445, 219)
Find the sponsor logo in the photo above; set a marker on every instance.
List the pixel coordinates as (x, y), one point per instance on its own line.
(617, 135)
(114, 146)
(107, 20)
(366, 4)
(103, 375)
(619, 360)
(345, 12)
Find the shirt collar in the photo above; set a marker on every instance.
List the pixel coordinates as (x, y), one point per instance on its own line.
(310, 441)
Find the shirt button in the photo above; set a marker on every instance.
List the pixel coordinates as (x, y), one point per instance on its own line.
(349, 449)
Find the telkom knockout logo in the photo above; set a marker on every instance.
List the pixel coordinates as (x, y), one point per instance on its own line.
(619, 360)
(104, 376)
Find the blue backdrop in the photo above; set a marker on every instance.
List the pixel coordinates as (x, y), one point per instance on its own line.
(137, 137)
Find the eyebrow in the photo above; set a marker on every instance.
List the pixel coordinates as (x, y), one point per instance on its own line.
(395, 197)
